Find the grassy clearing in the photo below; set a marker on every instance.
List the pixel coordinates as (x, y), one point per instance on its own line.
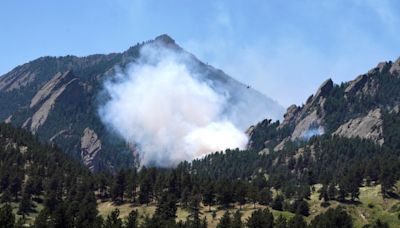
(371, 206)
(29, 219)
(105, 208)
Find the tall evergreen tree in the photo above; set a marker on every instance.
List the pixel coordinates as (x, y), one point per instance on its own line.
(260, 218)
(113, 220)
(237, 220)
(132, 220)
(297, 222)
(225, 221)
(7, 218)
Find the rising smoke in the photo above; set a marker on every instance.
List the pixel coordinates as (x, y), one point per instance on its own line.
(314, 131)
(170, 112)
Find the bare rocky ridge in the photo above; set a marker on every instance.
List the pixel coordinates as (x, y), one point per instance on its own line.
(48, 94)
(312, 116)
(21, 77)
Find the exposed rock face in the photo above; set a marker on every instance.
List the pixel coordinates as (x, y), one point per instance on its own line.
(49, 94)
(368, 127)
(60, 133)
(20, 78)
(291, 114)
(281, 145)
(49, 87)
(357, 84)
(310, 122)
(55, 96)
(90, 147)
(395, 69)
(324, 89)
(353, 109)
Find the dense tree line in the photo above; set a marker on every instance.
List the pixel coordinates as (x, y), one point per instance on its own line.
(32, 174)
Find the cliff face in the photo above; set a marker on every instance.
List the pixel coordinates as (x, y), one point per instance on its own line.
(352, 109)
(57, 98)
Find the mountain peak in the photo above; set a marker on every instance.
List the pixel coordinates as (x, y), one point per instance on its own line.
(165, 39)
(325, 88)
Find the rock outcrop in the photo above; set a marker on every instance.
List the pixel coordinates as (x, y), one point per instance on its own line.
(48, 94)
(20, 78)
(395, 68)
(367, 127)
(90, 147)
(310, 122)
(324, 89)
(357, 84)
(352, 109)
(55, 96)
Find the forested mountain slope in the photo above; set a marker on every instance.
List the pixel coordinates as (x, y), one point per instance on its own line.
(325, 186)
(57, 99)
(351, 109)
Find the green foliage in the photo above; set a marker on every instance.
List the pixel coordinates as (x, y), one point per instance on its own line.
(112, 220)
(7, 218)
(132, 220)
(297, 222)
(260, 218)
(333, 218)
(225, 220)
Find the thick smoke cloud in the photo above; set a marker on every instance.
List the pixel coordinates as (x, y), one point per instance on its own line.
(170, 112)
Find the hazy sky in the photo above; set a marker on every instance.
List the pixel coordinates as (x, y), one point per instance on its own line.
(285, 49)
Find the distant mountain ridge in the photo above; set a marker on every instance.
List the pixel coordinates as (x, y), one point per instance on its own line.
(351, 109)
(57, 99)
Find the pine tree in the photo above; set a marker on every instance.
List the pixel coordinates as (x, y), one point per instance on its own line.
(281, 222)
(145, 191)
(225, 221)
(209, 195)
(332, 218)
(240, 193)
(237, 220)
(16, 186)
(265, 196)
(132, 220)
(323, 193)
(131, 185)
(7, 218)
(6, 196)
(379, 224)
(112, 220)
(253, 195)
(41, 220)
(118, 187)
(25, 204)
(166, 208)
(225, 193)
(194, 212)
(277, 204)
(297, 222)
(260, 218)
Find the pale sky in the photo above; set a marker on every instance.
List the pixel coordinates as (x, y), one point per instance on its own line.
(285, 49)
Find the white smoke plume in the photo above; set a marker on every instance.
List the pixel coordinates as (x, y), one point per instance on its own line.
(314, 131)
(170, 112)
